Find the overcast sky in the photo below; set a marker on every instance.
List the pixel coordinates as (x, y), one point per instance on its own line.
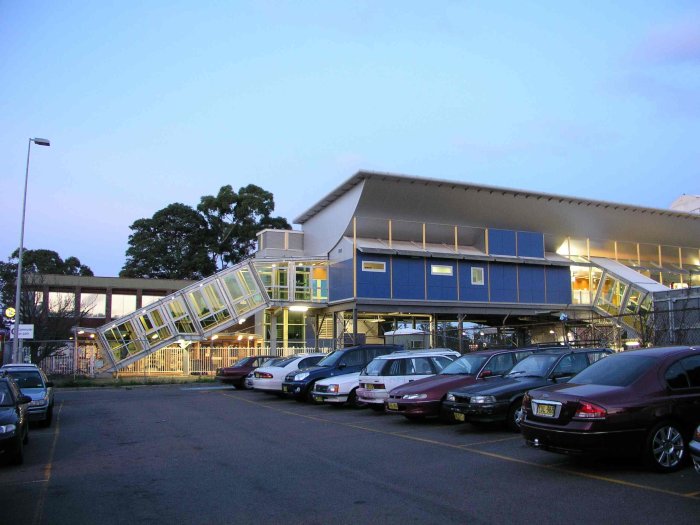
(151, 103)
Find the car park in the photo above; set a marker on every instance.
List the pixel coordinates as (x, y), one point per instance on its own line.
(384, 373)
(643, 403)
(237, 373)
(14, 420)
(299, 383)
(33, 382)
(500, 398)
(269, 378)
(694, 447)
(423, 397)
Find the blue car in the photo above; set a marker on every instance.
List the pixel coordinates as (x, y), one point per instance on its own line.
(14, 421)
(33, 383)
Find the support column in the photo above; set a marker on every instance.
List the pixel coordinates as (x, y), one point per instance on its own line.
(334, 346)
(273, 332)
(434, 330)
(460, 330)
(354, 325)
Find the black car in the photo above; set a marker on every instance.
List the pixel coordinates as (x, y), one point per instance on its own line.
(500, 398)
(14, 421)
(299, 383)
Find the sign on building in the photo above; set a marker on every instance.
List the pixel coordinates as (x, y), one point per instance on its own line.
(26, 331)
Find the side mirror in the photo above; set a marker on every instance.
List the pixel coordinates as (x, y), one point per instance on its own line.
(49, 384)
(342, 365)
(485, 373)
(561, 378)
(23, 400)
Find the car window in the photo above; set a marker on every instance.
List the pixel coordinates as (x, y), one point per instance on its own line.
(6, 399)
(397, 367)
(309, 361)
(596, 356)
(692, 368)
(614, 372)
(376, 367)
(676, 376)
(465, 365)
(353, 358)
(27, 379)
(519, 356)
(534, 365)
(419, 366)
(439, 362)
(500, 364)
(570, 364)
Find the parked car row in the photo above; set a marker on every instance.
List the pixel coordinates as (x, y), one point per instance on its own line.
(574, 401)
(25, 395)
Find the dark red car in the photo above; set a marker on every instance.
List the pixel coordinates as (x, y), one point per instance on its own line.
(643, 402)
(236, 374)
(423, 397)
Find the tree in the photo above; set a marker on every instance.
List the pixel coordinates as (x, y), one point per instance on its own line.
(233, 220)
(173, 244)
(52, 322)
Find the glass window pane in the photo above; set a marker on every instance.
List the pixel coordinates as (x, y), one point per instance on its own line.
(123, 304)
(93, 304)
(62, 303)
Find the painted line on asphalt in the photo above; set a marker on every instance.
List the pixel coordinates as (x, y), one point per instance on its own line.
(207, 388)
(466, 448)
(17, 483)
(488, 442)
(39, 510)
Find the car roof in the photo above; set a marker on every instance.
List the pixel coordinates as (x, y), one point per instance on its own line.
(567, 350)
(663, 351)
(19, 365)
(418, 353)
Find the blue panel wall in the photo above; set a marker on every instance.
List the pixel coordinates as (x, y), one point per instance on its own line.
(504, 283)
(468, 291)
(531, 284)
(340, 280)
(530, 244)
(442, 287)
(375, 285)
(409, 278)
(558, 285)
(501, 242)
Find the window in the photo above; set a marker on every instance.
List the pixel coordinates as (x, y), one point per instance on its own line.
(692, 368)
(149, 299)
(676, 376)
(477, 276)
(441, 269)
(122, 305)
(500, 364)
(373, 266)
(61, 303)
(93, 304)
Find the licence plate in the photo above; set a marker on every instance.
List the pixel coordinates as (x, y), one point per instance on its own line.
(285, 389)
(392, 406)
(369, 387)
(545, 410)
(318, 399)
(458, 416)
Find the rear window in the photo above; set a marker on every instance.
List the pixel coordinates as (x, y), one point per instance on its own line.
(614, 372)
(376, 367)
(467, 365)
(28, 379)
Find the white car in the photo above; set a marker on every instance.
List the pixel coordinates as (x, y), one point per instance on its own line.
(389, 371)
(269, 377)
(337, 390)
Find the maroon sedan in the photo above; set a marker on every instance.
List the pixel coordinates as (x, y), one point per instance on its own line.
(423, 397)
(237, 373)
(643, 402)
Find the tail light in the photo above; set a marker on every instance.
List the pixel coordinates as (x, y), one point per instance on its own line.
(263, 375)
(527, 401)
(587, 410)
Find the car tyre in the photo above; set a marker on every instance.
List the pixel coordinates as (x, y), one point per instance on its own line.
(240, 385)
(353, 401)
(515, 412)
(666, 447)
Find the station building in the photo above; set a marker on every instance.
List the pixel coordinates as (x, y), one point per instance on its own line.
(466, 264)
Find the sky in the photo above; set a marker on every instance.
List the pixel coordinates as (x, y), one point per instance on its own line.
(151, 103)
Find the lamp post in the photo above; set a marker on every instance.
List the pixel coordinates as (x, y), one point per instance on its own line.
(15, 348)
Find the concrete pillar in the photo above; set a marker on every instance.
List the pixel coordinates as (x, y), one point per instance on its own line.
(273, 332)
(354, 326)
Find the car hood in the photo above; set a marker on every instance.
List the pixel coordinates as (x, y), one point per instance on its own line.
(34, 393)
(353, 377)
(435, 386)
(7, 415)
(503, 385)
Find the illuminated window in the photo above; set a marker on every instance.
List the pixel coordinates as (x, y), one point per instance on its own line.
(439, 269)
(61, 303)
(477, 276)
(93, 304)
(373, 266)
(122, 304)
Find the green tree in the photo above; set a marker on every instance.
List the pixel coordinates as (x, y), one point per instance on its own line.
(233, 220)
(173, 244)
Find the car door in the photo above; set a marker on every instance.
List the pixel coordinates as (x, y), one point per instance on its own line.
(683, 381)
(353, 361)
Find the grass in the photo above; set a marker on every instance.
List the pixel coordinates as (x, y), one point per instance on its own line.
(126, 381)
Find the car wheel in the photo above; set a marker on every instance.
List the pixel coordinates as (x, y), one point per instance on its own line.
(665, 447)
(307, 396)
(352, 399)
(515, 412)
(240, 385)
(49, 417)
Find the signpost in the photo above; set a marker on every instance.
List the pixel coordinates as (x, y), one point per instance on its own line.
(26, 331)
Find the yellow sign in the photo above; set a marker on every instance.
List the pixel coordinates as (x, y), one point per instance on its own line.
(10, 313)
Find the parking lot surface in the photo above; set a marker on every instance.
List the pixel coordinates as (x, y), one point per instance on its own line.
(192, 454)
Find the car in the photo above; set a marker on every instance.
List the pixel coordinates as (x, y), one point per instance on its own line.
(384, 373)
(642, 403)
(338, 390)
(269, 378)
(236, 374)
(423, 397)
(500, 398)
(694, 447)
(33, 382)
(14, 420)
(299, 383)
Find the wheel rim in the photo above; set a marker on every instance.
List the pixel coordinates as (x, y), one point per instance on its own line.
(517, 414)
(668, 447)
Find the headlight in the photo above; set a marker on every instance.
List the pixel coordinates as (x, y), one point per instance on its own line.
(449, 397)
(333, 389)
(418, 396)
(480, 400)
(7, 429)
(301, 377)
(37, 403)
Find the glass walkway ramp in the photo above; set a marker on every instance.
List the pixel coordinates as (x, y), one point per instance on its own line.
(193, 313)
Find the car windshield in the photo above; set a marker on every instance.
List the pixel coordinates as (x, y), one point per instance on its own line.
(534, 365)
(273, 361)
(467, 365)
(375, 367)
(282, 362)
(331, 359)
(614, 372)
(27, 379)
(5, 396)
(242, 362)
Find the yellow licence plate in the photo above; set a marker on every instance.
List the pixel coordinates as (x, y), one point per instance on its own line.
(545, 410)
(369, 387)
(392, 406)
(318, 399)
(285, 389)
(458, 416)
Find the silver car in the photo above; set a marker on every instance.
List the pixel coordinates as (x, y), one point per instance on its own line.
(33, 383)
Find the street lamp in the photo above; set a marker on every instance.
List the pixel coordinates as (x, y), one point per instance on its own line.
(38, 142)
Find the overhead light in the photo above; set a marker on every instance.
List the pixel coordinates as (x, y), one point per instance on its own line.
(154, 336)
(551, 331)
(41, 142)
(298, 308)
(632, 343)
(241, 320)
(239, 338)
(92, 336)
(251, 337)
(81, 332)
(214, 337)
